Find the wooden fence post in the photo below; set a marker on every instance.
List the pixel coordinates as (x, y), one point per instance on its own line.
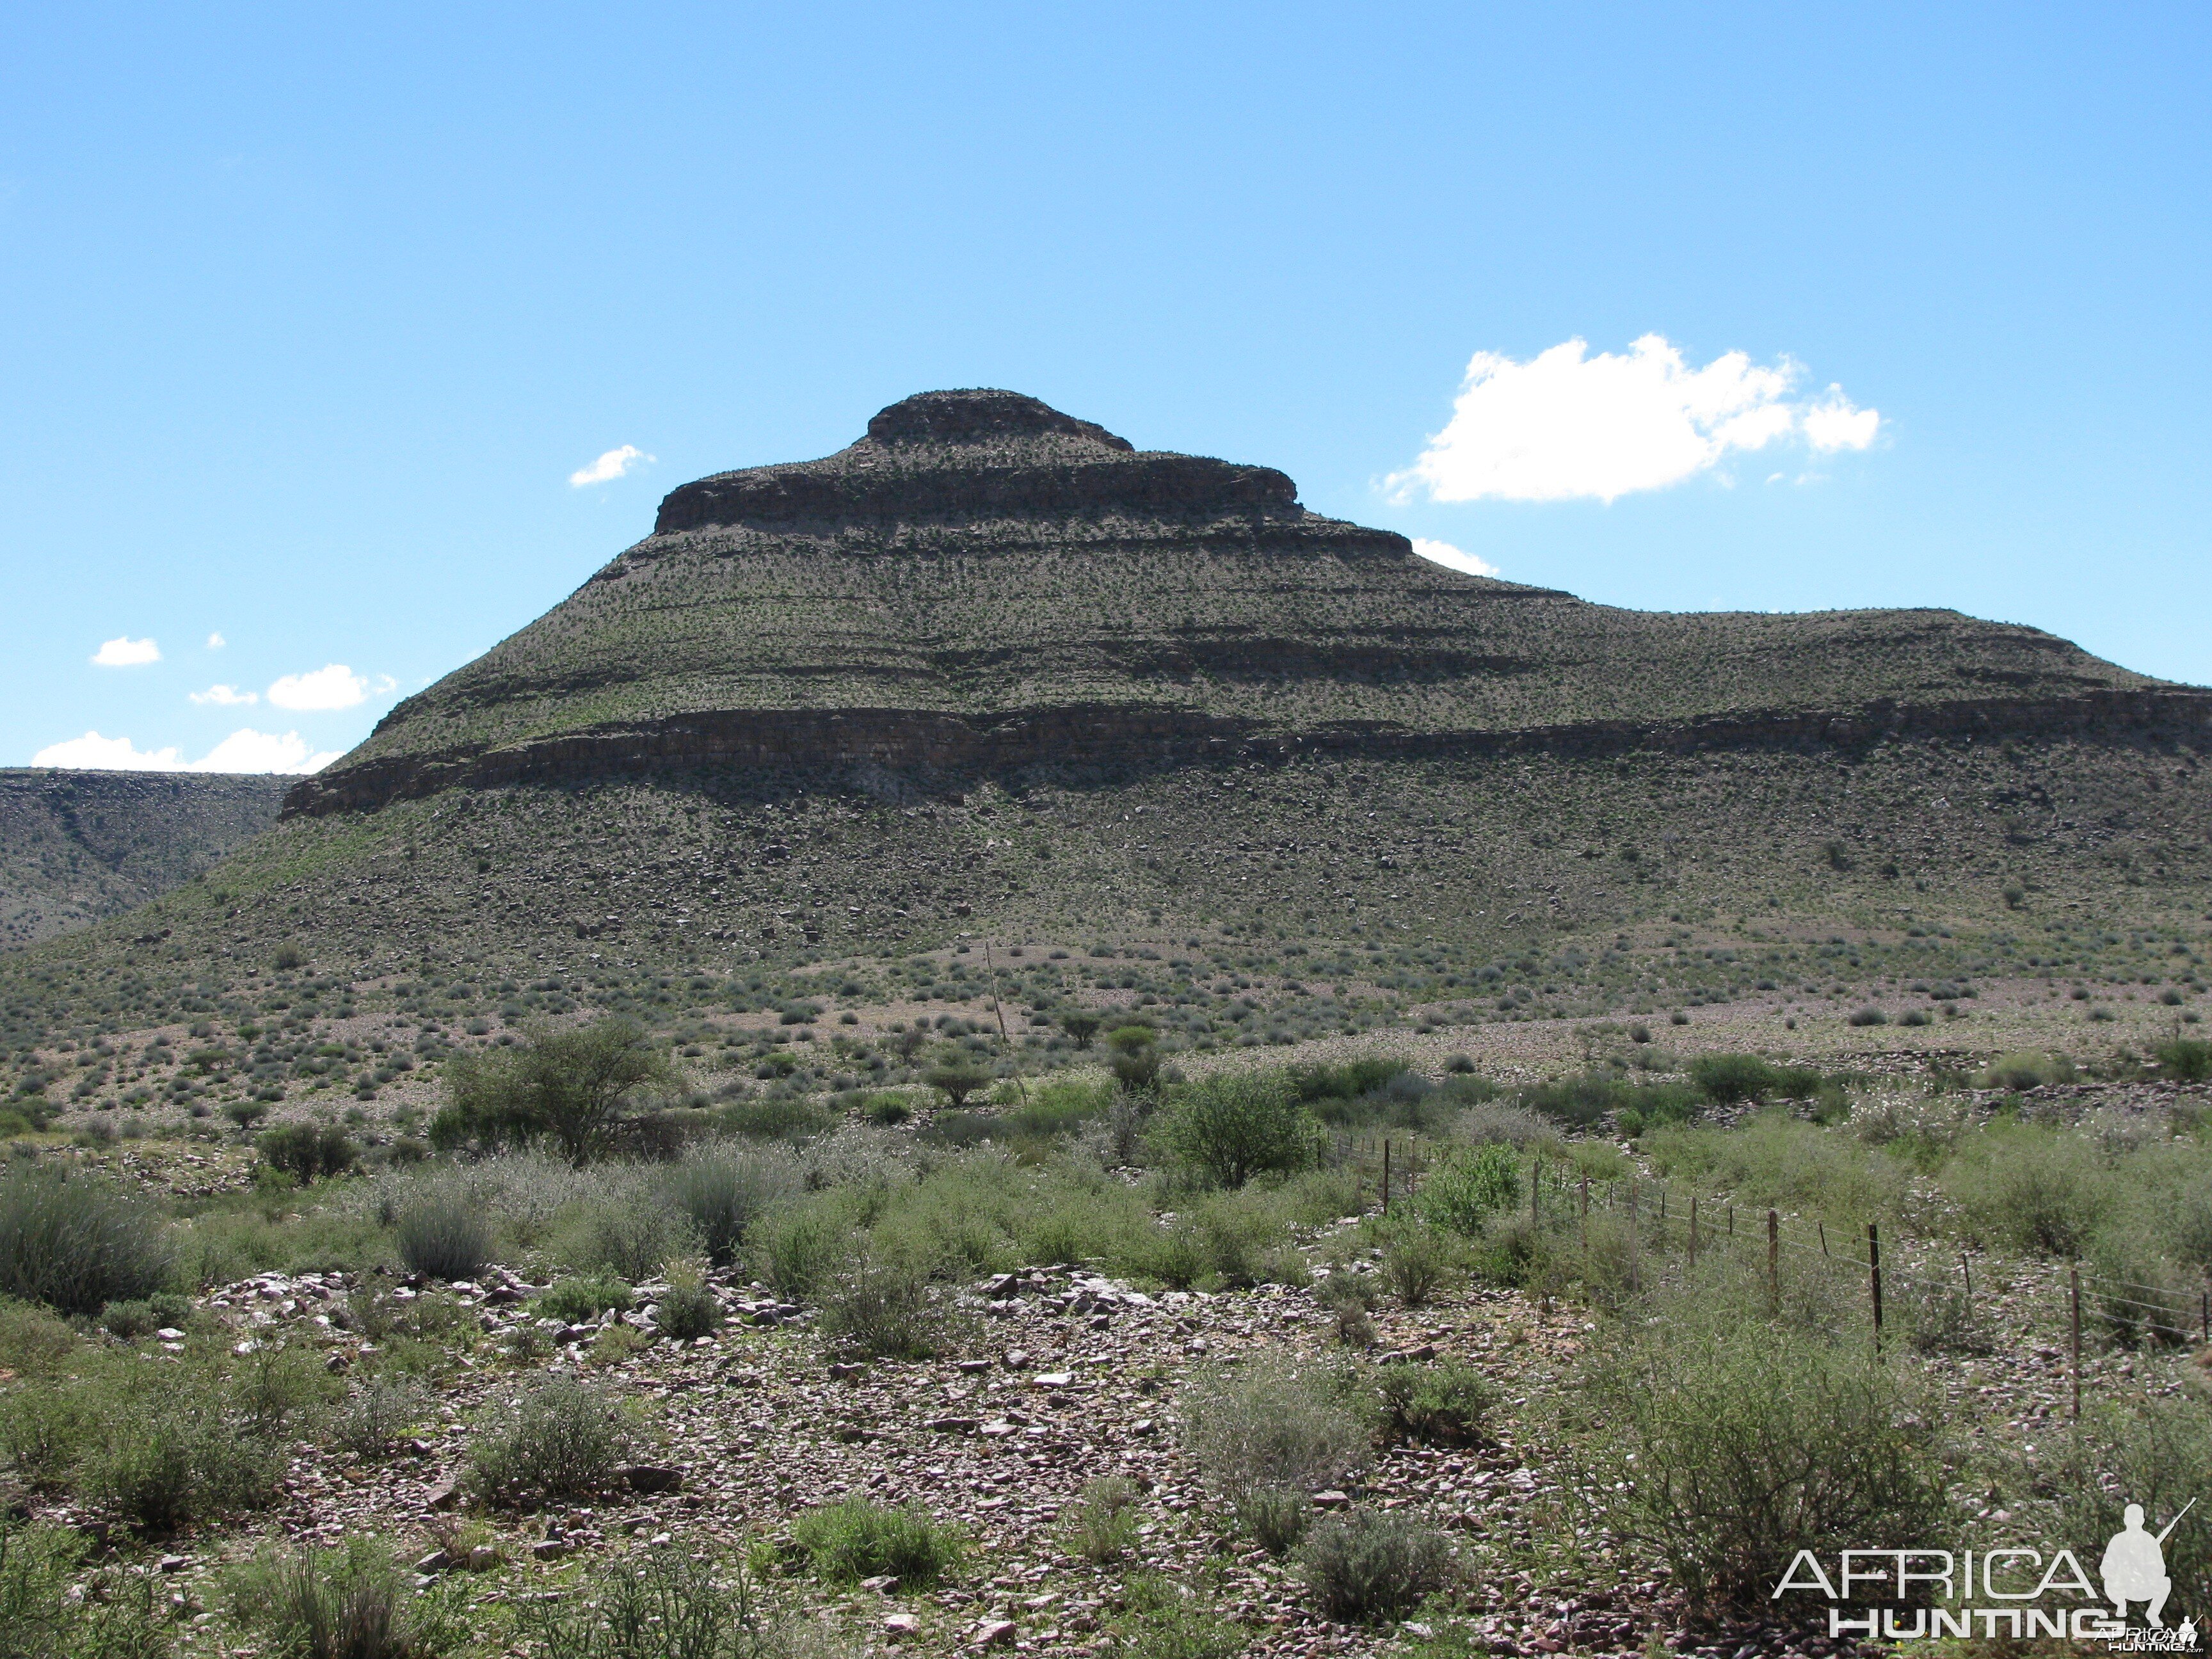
(1535, 1187)
(1386, 1174)
(1873, 1273)
(1693, 1232)
(1967, 1271)
(1773, 1262)
(1585, 1218)
(2075, 1301)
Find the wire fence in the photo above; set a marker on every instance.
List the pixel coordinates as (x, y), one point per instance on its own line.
(1668, 1232)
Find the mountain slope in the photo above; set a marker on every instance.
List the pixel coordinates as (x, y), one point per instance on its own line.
(76, 846)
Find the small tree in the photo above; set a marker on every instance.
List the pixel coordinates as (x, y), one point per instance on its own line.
(308, 1152)
(956, 1076)
(578, 1089)
(1081, 1028)
(1232, 1126)
(1136, 1056)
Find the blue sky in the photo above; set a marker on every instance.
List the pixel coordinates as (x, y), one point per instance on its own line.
(307, 320)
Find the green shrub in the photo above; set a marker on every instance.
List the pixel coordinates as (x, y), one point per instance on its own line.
(1273, 1425)
(629, 1236)
(2185, 1059)
(689, 1310)
(1439, 1405)
(1465, 1189)
(799, 1247)
(49, 1610)
(444, 1237)
(308, 1152)
(792, 1118)
(858, 1538)
(170, 1450)
(1231, 1126)
(879, 1308)
(956, 1076)
(721, 1192)
(1418, 1261)
(2033, 1190)
(2154, 1453)
(577, 1090)
(1104, 1524)
(75, 1244)
(130, 1321)
(668, 1604)
(1163, 1620)
(380, 1414)
(584, 1295)
(1135, 1056)
(33, 1342)
(1366, 1565)
(1350, 1298)
(1730, 1079)
(2025, 1069)
(564, 1439)
(1729, 1445)
(1273, 1517)
(351, 1601)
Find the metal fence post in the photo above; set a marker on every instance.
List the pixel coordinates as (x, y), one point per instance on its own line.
(1773, 1262)
(1386, 1174)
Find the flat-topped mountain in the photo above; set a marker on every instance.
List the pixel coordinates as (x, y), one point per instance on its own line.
(991, 670)
(982, 583)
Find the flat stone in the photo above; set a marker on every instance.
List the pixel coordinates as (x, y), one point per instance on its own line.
(954, 1425)
(995, 1633)
(446, 1495)
(1331, 1500)
(652, 1478)
(897, 1625)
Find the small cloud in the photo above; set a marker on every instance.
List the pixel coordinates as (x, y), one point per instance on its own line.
(243, 750)
(610, 467)
(216, 642)
(332, 686)
(1445, 554)
(1565, 425)
(126, 653)
(225, 696)
(1834, 424)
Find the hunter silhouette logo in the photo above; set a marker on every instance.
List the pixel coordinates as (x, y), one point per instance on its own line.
(2134, 1567)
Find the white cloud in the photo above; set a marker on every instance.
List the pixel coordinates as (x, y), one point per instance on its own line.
(243, 750)
(126, 653)
(1565, 425)
(1445, 554)
(609, 466)
(95, 753)
(332, 686)
(216, 642)
(248, 750)
(225, 696)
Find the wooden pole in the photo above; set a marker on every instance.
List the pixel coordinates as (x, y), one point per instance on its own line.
(1693, 1232)
(2075, 1273)
(999, 1005)
(1966, 1270)
(1386, 1174)
(1773, 1262)
(1873, 1273)
(1535, 1186)
(1823, 1227)
(1585, 1217)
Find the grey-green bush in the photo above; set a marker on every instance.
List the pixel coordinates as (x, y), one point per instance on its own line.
(859, 1539)
(670, 1603)
(441, 1237)
(1274, 1424)
(562, 1439)
(721, 1192)
(76, 1245)
(351, 1602)
(1367, 1565)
